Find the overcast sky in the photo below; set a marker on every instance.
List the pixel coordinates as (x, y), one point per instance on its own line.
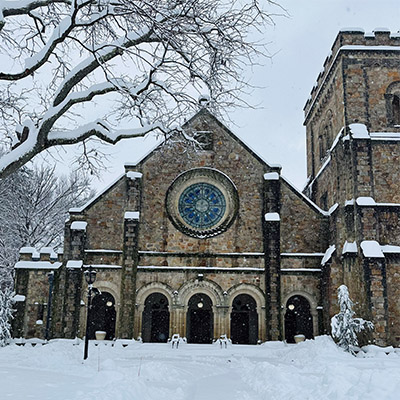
(300, 44)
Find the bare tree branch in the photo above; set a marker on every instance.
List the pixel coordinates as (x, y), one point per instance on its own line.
(149, 59)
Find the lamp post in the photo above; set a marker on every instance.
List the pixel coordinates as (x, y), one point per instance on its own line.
(90, 277)
(50, 276)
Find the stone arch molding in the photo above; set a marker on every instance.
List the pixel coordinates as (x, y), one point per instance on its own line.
(393, 88)
(246, 288)
(111, 288)
(210, 288)
(154, 287)
(313, 307)
(310, 298)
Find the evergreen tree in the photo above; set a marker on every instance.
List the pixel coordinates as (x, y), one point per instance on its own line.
(344, 326)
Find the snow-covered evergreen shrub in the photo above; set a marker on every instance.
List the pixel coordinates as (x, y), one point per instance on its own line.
(6, 310)
(344, 326)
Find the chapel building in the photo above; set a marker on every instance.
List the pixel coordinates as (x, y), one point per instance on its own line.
(216, 241)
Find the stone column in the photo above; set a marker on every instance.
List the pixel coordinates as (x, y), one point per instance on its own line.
(271, 230)
(375, 273)
(73, 281)
(362, 165)
(129, 271)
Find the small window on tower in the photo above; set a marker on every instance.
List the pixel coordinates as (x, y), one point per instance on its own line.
(321, 147)
(396, 109)
(392, 97)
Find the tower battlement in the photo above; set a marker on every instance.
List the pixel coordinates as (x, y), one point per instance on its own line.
(352, 39)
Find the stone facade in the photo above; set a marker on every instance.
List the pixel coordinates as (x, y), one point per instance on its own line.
(272, 270)
(358, 170)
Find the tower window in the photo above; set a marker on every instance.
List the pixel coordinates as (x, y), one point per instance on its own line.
(396, 109)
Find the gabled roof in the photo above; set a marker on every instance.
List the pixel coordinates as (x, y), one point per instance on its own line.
(201, 113)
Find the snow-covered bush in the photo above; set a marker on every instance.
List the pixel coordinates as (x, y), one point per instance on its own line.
(6, 310)
(344, 327)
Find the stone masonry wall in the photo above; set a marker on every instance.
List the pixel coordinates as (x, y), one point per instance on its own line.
(303, 229)
(156, 231)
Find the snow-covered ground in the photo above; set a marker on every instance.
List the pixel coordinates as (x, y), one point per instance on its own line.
(315, 369)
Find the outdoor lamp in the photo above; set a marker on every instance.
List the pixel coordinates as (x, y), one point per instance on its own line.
(90, 278)
(90, 275)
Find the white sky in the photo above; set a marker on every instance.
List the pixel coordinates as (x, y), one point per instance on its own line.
(300, 44)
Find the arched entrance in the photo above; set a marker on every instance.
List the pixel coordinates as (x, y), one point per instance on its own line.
(200, 319)
(155, 321)
(244, 320)
(298, 318)
(103, 315)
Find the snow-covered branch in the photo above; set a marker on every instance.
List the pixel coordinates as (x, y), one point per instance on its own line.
(138, 63)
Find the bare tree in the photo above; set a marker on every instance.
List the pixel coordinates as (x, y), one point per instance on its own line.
(34, 204)
(72, 69)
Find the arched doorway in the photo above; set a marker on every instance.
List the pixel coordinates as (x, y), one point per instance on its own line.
(200, 319)
(298, 318)
(155, 321)
(244, 320)
(103, 315)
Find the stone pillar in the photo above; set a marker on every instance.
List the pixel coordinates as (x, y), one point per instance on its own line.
(271, 230)
(362, 163)
(21, 288)
(129, 271)
(375, 272)
(73, 278)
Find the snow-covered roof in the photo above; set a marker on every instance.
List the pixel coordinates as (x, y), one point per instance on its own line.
(132, 215)
(134, 175)
(300, 269)
(102, 251)
(37, 265)
(79, 226)
(328, 254)
(371, 249)
(74, 264)
(390, 249)
(333, 209)
(19, 298)
(302, 254)
(271, 176)
(27, 250)
(273, 216)
(103, 266)
(365, 201)
(349, 247)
